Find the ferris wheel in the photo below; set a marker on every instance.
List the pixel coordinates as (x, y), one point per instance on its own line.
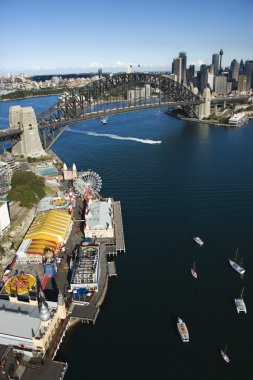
(92, 181)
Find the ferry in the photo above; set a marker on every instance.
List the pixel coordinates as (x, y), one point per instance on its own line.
(236, 267)
(240, 304)
(182, 329)
(198, 240)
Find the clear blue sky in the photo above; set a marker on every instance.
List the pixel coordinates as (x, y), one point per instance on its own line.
(79, 35)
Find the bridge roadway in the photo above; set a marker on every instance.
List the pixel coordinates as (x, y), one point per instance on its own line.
(113, 111)
(14, 134)
(7, 134)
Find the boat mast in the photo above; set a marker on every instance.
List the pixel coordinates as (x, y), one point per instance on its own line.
(242, 291)
(236, 254)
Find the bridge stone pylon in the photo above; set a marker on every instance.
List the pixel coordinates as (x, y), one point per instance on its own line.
(29, 145)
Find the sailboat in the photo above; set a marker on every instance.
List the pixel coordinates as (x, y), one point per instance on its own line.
(224, 355)
(238, 268)
(239, 303)
(193, 270)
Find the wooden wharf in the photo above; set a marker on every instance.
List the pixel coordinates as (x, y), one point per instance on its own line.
(118, 228)
(111, 268)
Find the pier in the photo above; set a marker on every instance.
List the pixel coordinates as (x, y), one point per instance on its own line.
(111, 269)
(118, 228)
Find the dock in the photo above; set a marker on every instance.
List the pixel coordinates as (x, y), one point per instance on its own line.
(118, 228)
(111, 269)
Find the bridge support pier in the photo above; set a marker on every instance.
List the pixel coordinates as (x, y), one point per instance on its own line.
(204, 109)
(30, 145)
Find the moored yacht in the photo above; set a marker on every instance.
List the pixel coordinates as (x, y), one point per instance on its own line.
(240, 304)
(236, 267)
(198, 240)
(182, 329)
(224, 355)
(193, 271)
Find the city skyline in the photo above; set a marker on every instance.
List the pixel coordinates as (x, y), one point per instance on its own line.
(64, 37)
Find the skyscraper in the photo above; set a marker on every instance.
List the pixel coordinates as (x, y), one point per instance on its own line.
(220, 85)
(234, 70)
(215, 62)
(203, 77)
(183, 56)
(177, 68)
(241, 69)
(249, 73)
(190, 73)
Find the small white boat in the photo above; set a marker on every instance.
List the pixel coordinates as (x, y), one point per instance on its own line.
(236, 267)
(182, 329)
(193, 271)
(104, 120)
(198, 240)
(224, 355)
(240, 304)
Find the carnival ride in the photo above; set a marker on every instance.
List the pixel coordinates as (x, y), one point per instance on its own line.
(20, 284)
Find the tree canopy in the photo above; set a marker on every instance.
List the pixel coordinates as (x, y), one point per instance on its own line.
(26, 187)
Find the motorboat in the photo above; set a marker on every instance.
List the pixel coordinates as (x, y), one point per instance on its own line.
(240, 304)
(236, 267)
(104, 120)
(198, 240)
(193, 271)
(224, 355)
(182, 329)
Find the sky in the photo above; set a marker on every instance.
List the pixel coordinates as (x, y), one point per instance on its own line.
(60, 36)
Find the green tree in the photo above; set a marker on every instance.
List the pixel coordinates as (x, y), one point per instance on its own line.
(27, 187)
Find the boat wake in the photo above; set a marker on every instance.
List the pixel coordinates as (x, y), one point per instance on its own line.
(116, 137)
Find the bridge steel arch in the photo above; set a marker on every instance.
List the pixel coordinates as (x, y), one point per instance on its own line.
(76, 104)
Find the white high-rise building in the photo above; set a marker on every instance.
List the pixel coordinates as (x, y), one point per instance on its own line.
(177, 68)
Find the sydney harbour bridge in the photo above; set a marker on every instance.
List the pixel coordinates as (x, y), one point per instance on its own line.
(110, 95)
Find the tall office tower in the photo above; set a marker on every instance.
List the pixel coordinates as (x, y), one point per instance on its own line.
(203, 77)
(177, 68)
(241, 69)
(100, 73)
(220, 85)
(221, 54)
(235, 66)
(242, 83)
(210, 69)
(249, 73)
(210, 81)
(183, 56)
(215, 62)
(190, 73)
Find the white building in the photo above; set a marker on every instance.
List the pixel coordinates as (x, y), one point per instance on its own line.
(29, 325)
(238, 119)
(99, 219)
(4, 217)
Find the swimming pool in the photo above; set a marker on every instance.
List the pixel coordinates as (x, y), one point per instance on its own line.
(47, 171)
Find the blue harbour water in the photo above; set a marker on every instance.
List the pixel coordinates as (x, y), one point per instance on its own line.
(197, 181)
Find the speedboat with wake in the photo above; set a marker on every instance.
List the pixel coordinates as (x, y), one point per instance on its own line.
(182, 329)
